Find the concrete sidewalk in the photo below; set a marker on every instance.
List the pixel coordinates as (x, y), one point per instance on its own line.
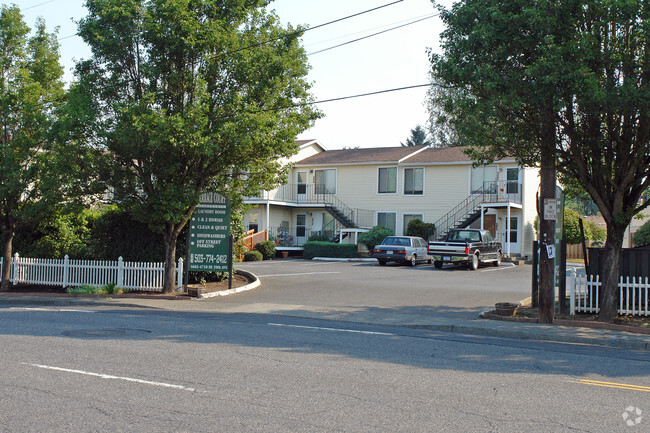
(415, 317)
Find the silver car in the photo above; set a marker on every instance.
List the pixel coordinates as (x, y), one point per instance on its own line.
(402, 249)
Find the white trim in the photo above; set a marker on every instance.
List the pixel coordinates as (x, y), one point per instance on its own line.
(386, 212)
(424, 181)
(396, 181)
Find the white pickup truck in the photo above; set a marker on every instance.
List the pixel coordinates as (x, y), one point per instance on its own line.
(466, 246)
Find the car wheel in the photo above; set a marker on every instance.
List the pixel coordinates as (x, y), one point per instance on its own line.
(473, 264)
(437, 265)
(497, 262)
(382, 262)
(412, 262)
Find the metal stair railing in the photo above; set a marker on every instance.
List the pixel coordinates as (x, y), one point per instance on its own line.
(458, 213)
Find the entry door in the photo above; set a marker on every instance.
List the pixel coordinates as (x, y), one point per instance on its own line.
(301, 186)
(301, 228)
(515, 245)
(512, 183)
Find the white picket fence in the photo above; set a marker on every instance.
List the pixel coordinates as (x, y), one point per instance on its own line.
(633, 298)
(68, 272)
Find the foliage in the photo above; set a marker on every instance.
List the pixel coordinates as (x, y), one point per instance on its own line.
(116, 233)
(108, 289)
(267, 248)
(419, 228)
(253, 256)
(329, 249)
(209, 277)
(566, 83)
(642, 235)
(318, 237)
(374, 236)
(418, 138)
(186, 97)
(30, 89)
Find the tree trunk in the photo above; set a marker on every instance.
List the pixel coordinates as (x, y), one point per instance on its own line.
(6, 259)
(610, 272)
(547, 227)
(170, 236)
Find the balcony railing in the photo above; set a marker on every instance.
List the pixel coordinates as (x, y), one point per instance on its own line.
(501, 191)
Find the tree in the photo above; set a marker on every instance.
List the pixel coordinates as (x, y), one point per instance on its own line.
(30, 89)
(642, 235)
(187, 97)
(418, 137)
(564, 81)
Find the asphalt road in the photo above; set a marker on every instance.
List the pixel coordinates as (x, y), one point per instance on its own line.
(448, 292)
(100, 369)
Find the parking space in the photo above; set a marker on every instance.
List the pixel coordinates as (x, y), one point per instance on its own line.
(449, 291)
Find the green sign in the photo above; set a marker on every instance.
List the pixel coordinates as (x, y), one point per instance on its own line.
(209, 237)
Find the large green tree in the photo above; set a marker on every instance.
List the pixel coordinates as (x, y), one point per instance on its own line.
(30, 89)
(190, 96)
(557, 81)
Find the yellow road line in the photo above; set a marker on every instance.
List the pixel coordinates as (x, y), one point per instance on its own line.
(613, 385)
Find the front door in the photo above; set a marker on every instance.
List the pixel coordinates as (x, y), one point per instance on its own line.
(301, 229)
(515, 245)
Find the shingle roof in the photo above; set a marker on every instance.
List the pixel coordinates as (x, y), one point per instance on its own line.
(439, 155)
(361, 156)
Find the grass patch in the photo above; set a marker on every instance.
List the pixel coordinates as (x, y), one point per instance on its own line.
(108, 289)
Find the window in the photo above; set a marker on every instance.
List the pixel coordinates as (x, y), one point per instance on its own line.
(514, 229)
(325, 181)
(413, 181)
(388, 220)
(512, 178)
(484, 179)
(410, 217)
(387, 180)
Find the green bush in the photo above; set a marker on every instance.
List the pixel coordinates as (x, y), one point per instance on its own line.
(642, 235)
(374, 236)
(329, 249)
(267, 248)
(419, 228)
(318, 237)
(253, 256)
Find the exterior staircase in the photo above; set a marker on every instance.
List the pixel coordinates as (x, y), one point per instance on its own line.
(462, 215)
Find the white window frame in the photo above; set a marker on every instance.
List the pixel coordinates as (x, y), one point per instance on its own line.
(396, 180)
(386, 212)
(336, 178)
(482, 167)
(420, 216)
(404, 193)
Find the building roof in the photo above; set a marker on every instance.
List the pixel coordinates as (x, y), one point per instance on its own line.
(439, 155)
(362, 156)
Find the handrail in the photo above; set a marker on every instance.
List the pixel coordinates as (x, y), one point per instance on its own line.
(453, 216)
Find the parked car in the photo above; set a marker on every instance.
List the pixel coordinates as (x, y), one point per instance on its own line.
(402, 249)
(470, 247)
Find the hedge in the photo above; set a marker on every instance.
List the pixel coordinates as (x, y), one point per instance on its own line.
(329, 249)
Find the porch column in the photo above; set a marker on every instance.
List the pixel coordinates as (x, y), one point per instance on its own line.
(268, 218)
(508, 230)
(482, 213)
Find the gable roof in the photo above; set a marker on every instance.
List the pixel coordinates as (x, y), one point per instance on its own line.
(374, 155)
(440, 155)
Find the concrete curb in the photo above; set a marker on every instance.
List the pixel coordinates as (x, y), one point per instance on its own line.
(256, 283)
(337, 259)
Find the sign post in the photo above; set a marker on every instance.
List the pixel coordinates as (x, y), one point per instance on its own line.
(209, 235)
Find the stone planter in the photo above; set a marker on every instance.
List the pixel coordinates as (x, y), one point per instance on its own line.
(195, 291)
(506, 308)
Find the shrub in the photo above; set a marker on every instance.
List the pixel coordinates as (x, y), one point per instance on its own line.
(329, 249)
(419, 228)
(642, 235)
(374, 236)
(318, 237)
(267, 248)
(253, 256)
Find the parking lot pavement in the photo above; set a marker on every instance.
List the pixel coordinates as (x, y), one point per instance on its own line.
(447, 292)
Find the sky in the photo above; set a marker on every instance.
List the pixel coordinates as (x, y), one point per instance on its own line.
(394, 59)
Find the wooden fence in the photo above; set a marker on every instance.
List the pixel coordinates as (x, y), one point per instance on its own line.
(67, 272)
(634, 294)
